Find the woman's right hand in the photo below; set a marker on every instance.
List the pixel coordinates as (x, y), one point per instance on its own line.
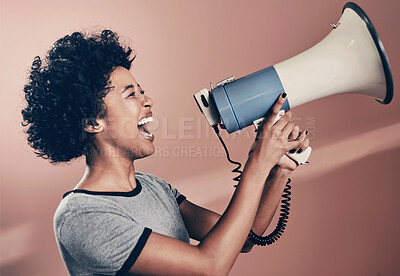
(272, 142)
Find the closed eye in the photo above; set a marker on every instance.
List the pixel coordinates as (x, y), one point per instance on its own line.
(133, 93)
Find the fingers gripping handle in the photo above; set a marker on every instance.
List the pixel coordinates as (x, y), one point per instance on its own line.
(299, 158)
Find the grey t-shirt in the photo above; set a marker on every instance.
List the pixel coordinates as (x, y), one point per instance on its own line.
(103, 233)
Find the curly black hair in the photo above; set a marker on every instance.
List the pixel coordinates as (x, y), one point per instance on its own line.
(65, 92)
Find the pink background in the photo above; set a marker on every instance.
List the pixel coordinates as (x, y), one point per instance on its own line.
(345, 207)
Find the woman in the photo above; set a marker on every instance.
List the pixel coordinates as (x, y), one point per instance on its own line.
(83, 101)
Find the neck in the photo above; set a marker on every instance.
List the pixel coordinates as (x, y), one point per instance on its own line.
(108, 172)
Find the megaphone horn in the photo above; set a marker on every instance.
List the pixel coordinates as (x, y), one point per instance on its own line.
(350, 59)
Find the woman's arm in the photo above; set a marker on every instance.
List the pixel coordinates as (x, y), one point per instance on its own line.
(274, 187)
(218, 250)
(269, 202)
(199, 221)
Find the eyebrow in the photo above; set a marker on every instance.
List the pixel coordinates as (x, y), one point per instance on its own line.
(126, 88)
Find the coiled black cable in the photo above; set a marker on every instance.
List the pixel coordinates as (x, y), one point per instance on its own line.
(235, 170)
(285, 207)
(282, 222)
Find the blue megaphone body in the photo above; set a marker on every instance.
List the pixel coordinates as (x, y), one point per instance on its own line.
(239, 110)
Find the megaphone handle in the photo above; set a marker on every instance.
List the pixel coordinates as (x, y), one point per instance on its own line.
(299, 158)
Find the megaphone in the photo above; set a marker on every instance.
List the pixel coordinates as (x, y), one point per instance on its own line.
(351, 59)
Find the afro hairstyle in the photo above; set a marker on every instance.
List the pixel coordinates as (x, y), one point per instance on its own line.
(65, 92)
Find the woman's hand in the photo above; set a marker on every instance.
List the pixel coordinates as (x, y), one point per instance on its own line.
(286, 162)
(272, 142)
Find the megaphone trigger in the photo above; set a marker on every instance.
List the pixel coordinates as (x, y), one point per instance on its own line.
(280, 114)
(257, 123)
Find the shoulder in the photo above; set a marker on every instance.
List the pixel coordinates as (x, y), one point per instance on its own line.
(149, 177)
(95, 234)
(159, 184)
(79, 204)
(74, 202)
(152, 180)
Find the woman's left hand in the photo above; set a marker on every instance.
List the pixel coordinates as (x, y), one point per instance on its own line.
(286, 162)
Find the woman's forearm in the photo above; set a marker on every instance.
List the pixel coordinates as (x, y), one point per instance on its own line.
(269, 202)
(225, 240)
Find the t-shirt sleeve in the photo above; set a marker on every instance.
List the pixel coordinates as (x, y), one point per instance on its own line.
(178, 196)
(166, 187)
(103, 242)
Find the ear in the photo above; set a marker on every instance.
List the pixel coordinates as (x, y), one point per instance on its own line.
(93, 125)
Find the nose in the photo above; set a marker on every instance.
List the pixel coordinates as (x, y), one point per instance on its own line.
(147, 102)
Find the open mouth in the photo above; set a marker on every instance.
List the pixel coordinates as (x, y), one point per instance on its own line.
(142, 126)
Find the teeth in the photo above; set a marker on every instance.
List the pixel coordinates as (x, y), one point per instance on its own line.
(145, 134)
(145, 120)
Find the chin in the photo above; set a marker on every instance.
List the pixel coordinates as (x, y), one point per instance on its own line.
(143, 152)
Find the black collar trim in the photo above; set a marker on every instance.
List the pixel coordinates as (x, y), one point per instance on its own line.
(134, 192)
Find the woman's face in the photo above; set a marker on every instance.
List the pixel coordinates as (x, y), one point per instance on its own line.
(124, 126)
